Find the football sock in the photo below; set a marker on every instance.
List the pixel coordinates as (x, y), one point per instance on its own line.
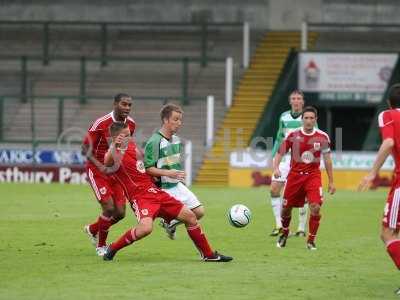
(393, 248)
(285, 225)
(94, 228)
(126, 239)
(200, 240)
(276, 203)
(302, 218)
(104, 224)
(313, 227)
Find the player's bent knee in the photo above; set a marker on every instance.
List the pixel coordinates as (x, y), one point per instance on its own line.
(286, 211)
(145, 227)
(119, 213)
(187, 216)
(275, 189)
(388, 234)
(199, 212)
(315, 208)
(108, 207)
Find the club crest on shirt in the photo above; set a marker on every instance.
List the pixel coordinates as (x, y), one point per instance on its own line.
(103, 190)
(144, 212)
(140, 166)
(317, 146)
(307, 157)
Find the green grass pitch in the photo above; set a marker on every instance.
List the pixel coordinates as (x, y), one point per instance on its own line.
(45, 255)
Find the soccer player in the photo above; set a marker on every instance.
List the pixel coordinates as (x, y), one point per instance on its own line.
(288, 122)
(147, 200)
(307, 145)
(163, 161)
(389, 124)
(108, 192)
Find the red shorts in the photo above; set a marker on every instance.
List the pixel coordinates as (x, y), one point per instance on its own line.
(301, 186)
(391, 218)
(105, 187)
(153, 202)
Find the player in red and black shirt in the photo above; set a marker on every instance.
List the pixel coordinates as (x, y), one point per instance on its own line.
(108, 192)
(389, 124)
(147, 200)
(307, 146)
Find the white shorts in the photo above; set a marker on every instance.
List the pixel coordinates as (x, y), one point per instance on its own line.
(184, 195)
(284, 167)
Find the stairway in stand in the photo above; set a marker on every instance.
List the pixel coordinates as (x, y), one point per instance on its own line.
(251, 97)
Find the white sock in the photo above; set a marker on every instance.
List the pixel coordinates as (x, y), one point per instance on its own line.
(303, 217)
(276, 203)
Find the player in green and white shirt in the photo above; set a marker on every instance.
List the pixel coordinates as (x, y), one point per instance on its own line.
(162, 160)
(289, 121)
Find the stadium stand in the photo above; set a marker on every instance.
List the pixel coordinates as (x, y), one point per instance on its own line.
(375, 40)
(252, 95)
(150, 82)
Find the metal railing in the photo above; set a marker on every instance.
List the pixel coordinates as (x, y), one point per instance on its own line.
(202, 28)
(83, 61)
(313, 26)
(60, 125)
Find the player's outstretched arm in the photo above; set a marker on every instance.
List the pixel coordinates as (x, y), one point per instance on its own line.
(151, 157)
(98, 164)
(279, 138)
(329, 171)
(113, 157)
(85, 150)
(384, 150)
(275, 165)
(283, 149)
(156, 172)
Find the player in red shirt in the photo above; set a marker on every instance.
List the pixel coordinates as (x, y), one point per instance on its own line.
(307, 145)
(146, 199)
(108, 192)
(389, 124)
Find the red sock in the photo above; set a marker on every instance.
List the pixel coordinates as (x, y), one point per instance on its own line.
(313, 225)
(285, 224)
(200, 240)
(94, 228)
(393, 248)
(125, 240)
(104, 225)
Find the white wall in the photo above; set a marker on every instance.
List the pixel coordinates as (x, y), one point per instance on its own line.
(262, 14)
(148, 11)
(288, 14)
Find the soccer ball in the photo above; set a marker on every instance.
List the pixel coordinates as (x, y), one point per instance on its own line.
(239, 215)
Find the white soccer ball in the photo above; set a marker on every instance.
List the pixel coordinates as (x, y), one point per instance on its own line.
(239, 215)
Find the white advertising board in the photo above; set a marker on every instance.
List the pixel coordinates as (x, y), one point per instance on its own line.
(348, 160)
(345, 72)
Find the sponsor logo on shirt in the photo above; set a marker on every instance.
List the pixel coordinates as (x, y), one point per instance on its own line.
(152, 190)
(307, 157)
